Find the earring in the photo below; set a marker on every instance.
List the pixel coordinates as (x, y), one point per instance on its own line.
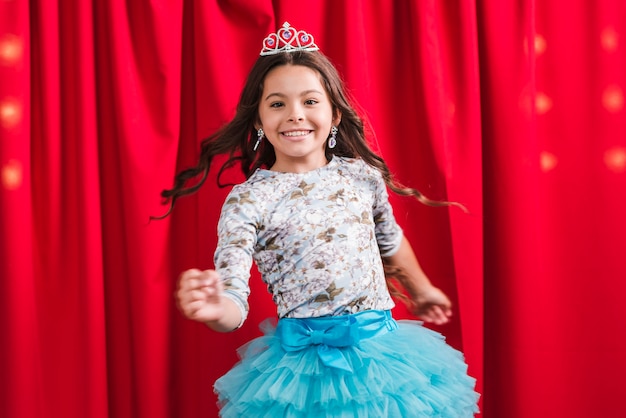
(332, 141)
(259, 135)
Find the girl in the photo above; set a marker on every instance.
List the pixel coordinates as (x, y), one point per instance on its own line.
(314, 216)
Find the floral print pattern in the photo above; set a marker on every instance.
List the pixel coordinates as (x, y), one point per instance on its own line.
(316, 238)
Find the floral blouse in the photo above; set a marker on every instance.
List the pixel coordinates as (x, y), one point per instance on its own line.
(316, 238)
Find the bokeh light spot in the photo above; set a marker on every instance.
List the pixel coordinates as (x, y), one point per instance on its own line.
(609, 39)
(540, 44)
(543, 103)
(11, 50)
(12, 175)
(547, 161)
(615, 159)
(10, 113)
(613, 99)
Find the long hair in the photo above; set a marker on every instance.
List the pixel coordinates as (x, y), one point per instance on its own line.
(237, 138)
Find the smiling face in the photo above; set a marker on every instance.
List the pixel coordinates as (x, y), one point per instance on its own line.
(296, 116)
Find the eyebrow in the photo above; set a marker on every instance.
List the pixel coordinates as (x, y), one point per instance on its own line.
(304, 93)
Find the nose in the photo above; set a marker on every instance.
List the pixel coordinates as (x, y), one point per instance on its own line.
(296, 115)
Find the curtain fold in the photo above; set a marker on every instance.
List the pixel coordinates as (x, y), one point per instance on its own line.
(513, 109)
(19, 350)
(511, 180)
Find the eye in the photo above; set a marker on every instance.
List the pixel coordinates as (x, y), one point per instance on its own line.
(276, 104)
(310, 102)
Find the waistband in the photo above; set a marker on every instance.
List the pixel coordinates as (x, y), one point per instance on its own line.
(330, 333)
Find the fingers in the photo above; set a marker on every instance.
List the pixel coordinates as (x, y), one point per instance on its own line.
(193, 309)
(197, 288)
(436, 314)
(196, 279)
(432, 305)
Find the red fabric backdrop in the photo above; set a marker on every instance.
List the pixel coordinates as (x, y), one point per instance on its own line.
(514, 109)
(553, 76)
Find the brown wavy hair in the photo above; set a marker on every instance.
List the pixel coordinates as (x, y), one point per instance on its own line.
(237, 138)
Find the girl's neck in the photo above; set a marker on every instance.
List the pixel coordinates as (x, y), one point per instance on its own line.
(298, 166)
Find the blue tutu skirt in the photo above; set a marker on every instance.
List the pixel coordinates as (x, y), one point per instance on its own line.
(361, 365)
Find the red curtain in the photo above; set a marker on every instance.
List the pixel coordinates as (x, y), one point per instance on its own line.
(553, 76)
(515, 109)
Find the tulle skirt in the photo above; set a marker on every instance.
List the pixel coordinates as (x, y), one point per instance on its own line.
(358, 366)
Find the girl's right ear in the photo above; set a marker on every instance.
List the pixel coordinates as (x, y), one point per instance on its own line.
(337, 118)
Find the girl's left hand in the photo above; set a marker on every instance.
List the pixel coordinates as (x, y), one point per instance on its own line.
(432, 305)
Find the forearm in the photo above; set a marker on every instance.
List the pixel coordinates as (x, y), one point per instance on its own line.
(409, 272)
(230, 319)
(431, 304)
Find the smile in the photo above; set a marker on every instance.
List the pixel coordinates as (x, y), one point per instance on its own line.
(296, 134)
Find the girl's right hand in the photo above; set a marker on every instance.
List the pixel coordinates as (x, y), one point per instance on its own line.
(199, 295)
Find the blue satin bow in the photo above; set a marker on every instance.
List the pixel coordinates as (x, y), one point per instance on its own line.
(328, 334)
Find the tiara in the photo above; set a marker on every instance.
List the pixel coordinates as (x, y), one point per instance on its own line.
(287, 39)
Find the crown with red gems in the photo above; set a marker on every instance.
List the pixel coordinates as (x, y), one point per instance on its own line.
(287, 39)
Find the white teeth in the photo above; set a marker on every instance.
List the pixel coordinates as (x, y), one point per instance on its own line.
(296, 133)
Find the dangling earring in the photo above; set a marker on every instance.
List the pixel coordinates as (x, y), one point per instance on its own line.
(259, 135)
(332, 141)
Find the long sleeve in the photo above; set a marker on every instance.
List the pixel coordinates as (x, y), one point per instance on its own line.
(388, 232)
(237, 235)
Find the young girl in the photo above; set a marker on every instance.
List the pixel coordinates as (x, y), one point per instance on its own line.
(314, 216)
